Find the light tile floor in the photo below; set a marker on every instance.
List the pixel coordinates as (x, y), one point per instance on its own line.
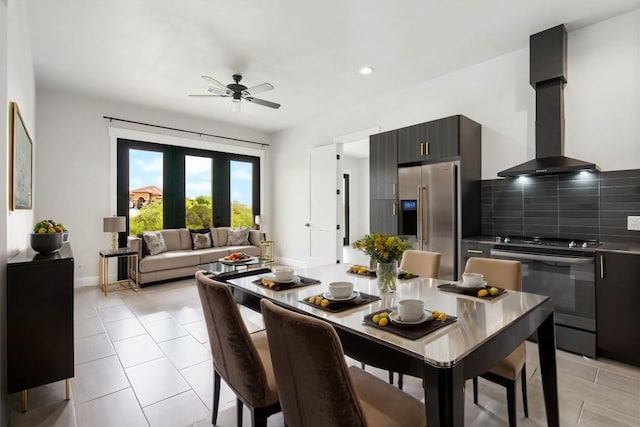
(142, 359)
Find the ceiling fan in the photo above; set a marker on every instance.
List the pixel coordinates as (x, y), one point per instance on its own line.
(237, 91)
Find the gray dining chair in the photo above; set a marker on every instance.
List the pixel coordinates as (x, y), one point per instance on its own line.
(506, 274)
(318, 389)
(240, 358)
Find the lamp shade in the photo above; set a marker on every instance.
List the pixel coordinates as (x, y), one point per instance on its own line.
(114, 224)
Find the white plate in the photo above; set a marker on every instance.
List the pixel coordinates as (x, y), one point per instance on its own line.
(240, 261)
(272, 277)
(481, 285)
(354, 295)
(394, 316)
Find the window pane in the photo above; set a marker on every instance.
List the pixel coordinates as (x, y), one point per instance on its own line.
(198, 185)
(241, 181)
(145, 191)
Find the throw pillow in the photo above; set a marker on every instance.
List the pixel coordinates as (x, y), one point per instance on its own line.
(155, 242)
(201, 240)
(238, 237)
(201, 231)
(145, 248)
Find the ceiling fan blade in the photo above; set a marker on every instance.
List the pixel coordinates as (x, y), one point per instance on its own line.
(221, 92)
(262, 102)
(214, 82)
(206, 95)
(258, 89)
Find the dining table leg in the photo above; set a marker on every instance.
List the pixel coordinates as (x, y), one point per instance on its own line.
(444, 396)
(547, 354)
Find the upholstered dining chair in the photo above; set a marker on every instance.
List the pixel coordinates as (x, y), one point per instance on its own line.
(242, 359)
(508, 275)
(422, 263)
(316, 387)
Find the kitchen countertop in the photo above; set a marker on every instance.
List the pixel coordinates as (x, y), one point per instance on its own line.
(608, 246)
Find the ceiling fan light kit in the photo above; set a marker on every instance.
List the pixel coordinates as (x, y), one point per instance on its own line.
(237, 92)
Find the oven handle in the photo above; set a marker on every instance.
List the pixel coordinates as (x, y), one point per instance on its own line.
(536, 257)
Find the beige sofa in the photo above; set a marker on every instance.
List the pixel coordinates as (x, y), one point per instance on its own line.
(180, 260)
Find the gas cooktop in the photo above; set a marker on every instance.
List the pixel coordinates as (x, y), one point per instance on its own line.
(550, 241)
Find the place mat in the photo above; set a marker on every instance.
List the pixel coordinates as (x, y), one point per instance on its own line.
(473, 292)
(368, 273)
(338, 306)
(304, 281)
(403, 276)
(413, 332)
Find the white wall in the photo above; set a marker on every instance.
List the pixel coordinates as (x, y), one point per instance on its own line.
(21, 88)
(602, 110)
(75, 177)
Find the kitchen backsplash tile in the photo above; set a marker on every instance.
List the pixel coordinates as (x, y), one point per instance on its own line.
(580, 205)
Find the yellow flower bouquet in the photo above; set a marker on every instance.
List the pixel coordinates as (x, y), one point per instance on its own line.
(382, 247)
(386, 251)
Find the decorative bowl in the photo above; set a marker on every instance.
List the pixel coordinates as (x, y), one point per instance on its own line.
(46, 243)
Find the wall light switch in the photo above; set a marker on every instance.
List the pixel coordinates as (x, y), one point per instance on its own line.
(633, 223)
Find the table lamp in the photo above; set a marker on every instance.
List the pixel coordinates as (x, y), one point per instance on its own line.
(114, 225)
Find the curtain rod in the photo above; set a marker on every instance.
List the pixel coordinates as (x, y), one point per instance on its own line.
(184, 130)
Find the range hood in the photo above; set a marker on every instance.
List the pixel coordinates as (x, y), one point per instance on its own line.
(548, 75)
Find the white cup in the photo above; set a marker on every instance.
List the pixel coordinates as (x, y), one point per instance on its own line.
(472, 279)
(410, 309)
(340, 289)
(283, 274)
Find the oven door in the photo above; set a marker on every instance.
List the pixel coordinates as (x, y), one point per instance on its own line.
(568, 280)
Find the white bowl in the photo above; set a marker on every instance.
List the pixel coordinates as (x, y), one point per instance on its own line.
(340, 289)
(410, 309)
(283, 273)
(471, 280)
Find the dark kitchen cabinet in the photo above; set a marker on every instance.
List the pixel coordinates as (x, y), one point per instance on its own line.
(383, 216)
(617, 298)
(473, 249)
(455, 138)
(383, 163)
(39, 319)
(432, 141)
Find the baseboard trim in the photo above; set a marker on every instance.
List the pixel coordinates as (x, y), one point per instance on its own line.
(82, 282)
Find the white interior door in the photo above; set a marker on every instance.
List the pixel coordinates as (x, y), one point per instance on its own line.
(325, 180)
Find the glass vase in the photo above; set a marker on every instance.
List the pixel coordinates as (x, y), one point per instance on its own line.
(387, 273)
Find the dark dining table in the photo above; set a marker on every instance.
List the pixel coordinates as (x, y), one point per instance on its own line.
(485, 332)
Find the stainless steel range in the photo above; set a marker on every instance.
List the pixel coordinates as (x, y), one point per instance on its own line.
(564, 270)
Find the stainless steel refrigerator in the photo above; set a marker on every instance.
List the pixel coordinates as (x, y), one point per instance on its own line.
(428, 211)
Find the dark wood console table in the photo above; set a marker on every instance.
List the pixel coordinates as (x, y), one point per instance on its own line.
(39, 320)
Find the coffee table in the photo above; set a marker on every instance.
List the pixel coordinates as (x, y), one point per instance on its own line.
(225, 266)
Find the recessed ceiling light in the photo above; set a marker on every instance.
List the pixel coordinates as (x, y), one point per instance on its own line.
(366, 70)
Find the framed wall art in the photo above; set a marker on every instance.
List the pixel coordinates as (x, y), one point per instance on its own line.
(21, 191)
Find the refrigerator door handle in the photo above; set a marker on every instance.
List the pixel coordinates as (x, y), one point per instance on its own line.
(426, 231)
(419, 236)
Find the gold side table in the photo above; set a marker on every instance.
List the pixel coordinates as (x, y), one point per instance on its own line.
(266, 251)
(119, 285)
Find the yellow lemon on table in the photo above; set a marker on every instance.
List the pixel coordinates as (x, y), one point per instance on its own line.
(324, 303)
(384, 314)
(483, 293)
(384, 321)
(376, 318)
(494, 291)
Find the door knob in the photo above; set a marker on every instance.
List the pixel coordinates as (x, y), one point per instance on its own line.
(307, 225)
